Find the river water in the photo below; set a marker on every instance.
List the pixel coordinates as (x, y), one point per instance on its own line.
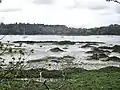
(109, 39)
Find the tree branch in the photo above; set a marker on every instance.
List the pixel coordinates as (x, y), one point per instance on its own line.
(2, 37)
(114, 1)
(44, 83)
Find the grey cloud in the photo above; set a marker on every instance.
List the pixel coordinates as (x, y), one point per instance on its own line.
(106, 13)
(10, 10)
(117, 9)
(43, 2)
(90, 5)
(98, 7)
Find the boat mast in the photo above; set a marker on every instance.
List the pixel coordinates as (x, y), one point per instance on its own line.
(24, 32)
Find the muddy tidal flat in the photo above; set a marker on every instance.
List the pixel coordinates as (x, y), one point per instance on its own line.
(60, 52)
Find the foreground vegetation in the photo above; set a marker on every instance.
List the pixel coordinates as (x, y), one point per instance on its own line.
(103, 79)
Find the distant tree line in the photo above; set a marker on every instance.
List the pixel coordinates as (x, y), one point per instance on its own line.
(41, 29)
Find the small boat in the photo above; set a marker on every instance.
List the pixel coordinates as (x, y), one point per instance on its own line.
(25, 36)
(97, 37)
(62, 36)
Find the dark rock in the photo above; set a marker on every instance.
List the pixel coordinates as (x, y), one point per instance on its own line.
(70, 57)
(37, 60)
(41, 46)
(105, 47)
(96, 56)
(66, 42)
(89, 52)
(106, 51)
(55, 61)
(86, 45)
(102, 55)
(65, 48)
(97, 50)
(58, 42)
(116, 48)
(56, 50)
(113, 59)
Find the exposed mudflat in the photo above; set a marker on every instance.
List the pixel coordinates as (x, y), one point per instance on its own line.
(56, 52)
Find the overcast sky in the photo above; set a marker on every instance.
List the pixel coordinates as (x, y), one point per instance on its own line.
(73, 13)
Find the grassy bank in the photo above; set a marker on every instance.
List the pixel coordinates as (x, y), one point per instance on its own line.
(103, 79)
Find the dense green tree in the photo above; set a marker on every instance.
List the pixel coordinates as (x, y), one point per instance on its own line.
(35, 29)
